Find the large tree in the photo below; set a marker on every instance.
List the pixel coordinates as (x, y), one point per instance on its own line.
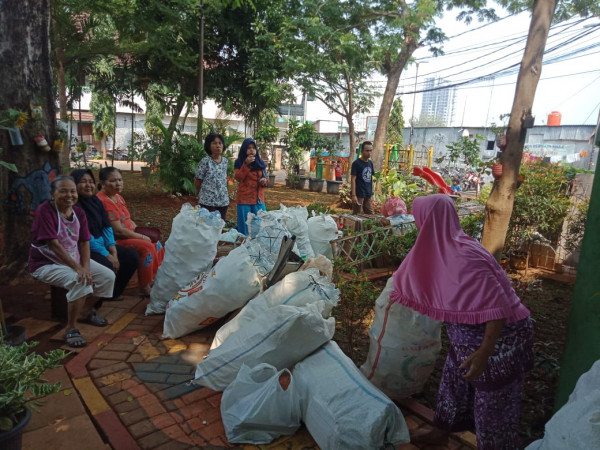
(499, 206)
(329, 56)
(26, 74)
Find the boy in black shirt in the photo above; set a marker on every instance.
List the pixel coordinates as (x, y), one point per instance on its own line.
(362, 181)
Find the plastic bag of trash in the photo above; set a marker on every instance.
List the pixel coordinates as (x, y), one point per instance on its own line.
(295, 221)
(209, 296)
(322, 229)
(403, 347)
(260, 405)
(341, 409)
(296, 289)
(190, 249)
(577, 424)
(281, 336)
(393, 206)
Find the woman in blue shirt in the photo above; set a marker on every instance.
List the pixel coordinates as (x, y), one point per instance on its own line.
(103, 248)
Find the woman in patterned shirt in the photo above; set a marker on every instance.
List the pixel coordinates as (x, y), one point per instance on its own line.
(211, 176)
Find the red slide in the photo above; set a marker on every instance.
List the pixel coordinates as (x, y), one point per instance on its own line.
(432, 178)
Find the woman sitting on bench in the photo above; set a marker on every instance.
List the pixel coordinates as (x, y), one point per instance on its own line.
(103, 248)
(60, 255)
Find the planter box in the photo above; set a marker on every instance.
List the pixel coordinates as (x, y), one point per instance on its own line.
(333, 187)
(315, 184)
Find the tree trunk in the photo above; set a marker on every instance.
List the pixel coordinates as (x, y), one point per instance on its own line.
(393, 78)
(26, 75)
(499, 206)
(59, 53)
(350, 120)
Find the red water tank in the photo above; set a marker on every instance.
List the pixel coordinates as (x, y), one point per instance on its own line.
(554, 119)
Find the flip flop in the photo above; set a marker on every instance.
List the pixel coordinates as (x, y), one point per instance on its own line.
(74, 339)
(95, 320)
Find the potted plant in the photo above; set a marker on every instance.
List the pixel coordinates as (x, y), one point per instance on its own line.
(22, 386)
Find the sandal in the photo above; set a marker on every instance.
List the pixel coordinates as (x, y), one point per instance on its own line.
(95, 320)
(74, 339)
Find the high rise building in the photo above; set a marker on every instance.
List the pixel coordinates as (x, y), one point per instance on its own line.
(438, 102)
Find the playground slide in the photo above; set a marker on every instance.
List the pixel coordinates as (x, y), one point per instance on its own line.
(432, 178)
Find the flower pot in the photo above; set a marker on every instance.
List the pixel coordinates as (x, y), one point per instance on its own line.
(315, 184)
(333, 187)
(146, 172)
(15, 335)
(271, 182)
(302, 182)
(497, 171)
(12, 439)
(57, 146)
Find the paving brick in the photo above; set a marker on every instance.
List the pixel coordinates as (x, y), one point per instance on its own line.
(119, 397)
(111, 389)
(99, 363)
(177, 378)
(174, 445)
(175, 432)
(212, 431)
(126, 406)
(155, 387)
(199, 394)
(215, 400)
(113, 378)
(118, 367)
(170, 405)
(163, 421)
(194, 410)
(138, 390)
(105, 354)
(152, 377)
(148, 399)
(154, 409)
(219, 442)
(175, 391)
(211, 415)
(142, 428)
(198, 440)
(120, 347)
(128, 334)
(130, 383)
(153, 440)
(145, 366)
(168, 359)
(136, 358)
(129, 418)
(176, 368)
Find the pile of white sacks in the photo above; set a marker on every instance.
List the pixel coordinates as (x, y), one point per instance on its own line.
(275, 360)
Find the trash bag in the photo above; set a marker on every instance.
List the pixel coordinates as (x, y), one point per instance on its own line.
(322, 229)
(341, 409)
(296, 289)
(577, 424)
(393, 206)
(281, 336)
(209, 296)
(295, 221)
(190, 250)
(403, 347)
(257, 409)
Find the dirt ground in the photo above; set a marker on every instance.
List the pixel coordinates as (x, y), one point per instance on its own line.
(549, 301)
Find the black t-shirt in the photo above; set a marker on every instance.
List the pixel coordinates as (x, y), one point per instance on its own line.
(364, 173)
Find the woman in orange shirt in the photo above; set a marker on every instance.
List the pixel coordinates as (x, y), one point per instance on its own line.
(250, 171)
(151, 254)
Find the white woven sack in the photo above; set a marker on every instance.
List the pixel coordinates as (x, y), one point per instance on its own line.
(296, 289)
(256, 409)
(577, 424)
(281, 336)
(322, 229)
(295, 221)
(190, 249)
(209, 296)
(341, 409)
(403, 347)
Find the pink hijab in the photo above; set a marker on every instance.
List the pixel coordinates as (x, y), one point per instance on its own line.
(448, 275)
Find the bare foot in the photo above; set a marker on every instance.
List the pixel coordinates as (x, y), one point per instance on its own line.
(430, 436)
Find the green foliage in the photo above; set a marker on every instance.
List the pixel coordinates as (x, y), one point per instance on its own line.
(318, 208)
(577, 217)
(395, 126)
(345, 195)
(177, 163)
(541, 204)
(102, 106)
(394, 184)
(21, 382)
(397, 246)
(425, 120)
(473, 225)
(466, 150)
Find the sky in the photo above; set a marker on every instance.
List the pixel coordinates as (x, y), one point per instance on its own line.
(569, 84)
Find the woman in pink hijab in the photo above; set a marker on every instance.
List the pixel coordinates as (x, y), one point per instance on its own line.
(450, 277)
